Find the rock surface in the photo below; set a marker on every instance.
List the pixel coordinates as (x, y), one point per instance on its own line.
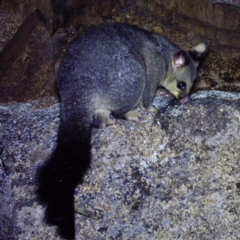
(173, 176)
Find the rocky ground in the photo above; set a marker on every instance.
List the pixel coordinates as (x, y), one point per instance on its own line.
(173, 176)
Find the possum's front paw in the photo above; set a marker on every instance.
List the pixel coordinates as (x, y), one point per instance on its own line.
(133, 116)
(137, 116)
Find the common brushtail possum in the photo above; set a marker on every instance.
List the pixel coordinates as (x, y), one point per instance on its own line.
(109, 70)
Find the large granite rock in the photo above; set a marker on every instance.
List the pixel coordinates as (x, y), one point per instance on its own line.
(173, 176)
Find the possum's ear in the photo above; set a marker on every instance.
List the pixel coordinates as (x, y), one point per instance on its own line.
(198, 52)
(180, 59)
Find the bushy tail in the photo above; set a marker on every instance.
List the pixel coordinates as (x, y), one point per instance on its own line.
(59, 176)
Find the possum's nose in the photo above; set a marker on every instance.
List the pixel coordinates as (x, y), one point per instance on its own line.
(185, 99)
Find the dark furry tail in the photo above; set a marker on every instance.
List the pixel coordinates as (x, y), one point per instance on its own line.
(59, 176)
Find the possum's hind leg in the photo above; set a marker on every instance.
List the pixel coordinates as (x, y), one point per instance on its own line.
(101, 118)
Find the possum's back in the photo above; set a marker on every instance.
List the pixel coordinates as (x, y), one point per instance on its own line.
(104, 60)
(102, 49)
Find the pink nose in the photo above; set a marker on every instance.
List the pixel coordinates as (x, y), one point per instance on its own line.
(185, 99)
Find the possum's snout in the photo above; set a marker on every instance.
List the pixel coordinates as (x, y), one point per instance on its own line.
(185, 100)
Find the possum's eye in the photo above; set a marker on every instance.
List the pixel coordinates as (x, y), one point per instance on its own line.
(181, 85)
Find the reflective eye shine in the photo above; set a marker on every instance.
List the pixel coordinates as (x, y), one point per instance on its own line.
(181, 85)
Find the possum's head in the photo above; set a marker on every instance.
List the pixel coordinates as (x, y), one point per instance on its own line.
(183, 70)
